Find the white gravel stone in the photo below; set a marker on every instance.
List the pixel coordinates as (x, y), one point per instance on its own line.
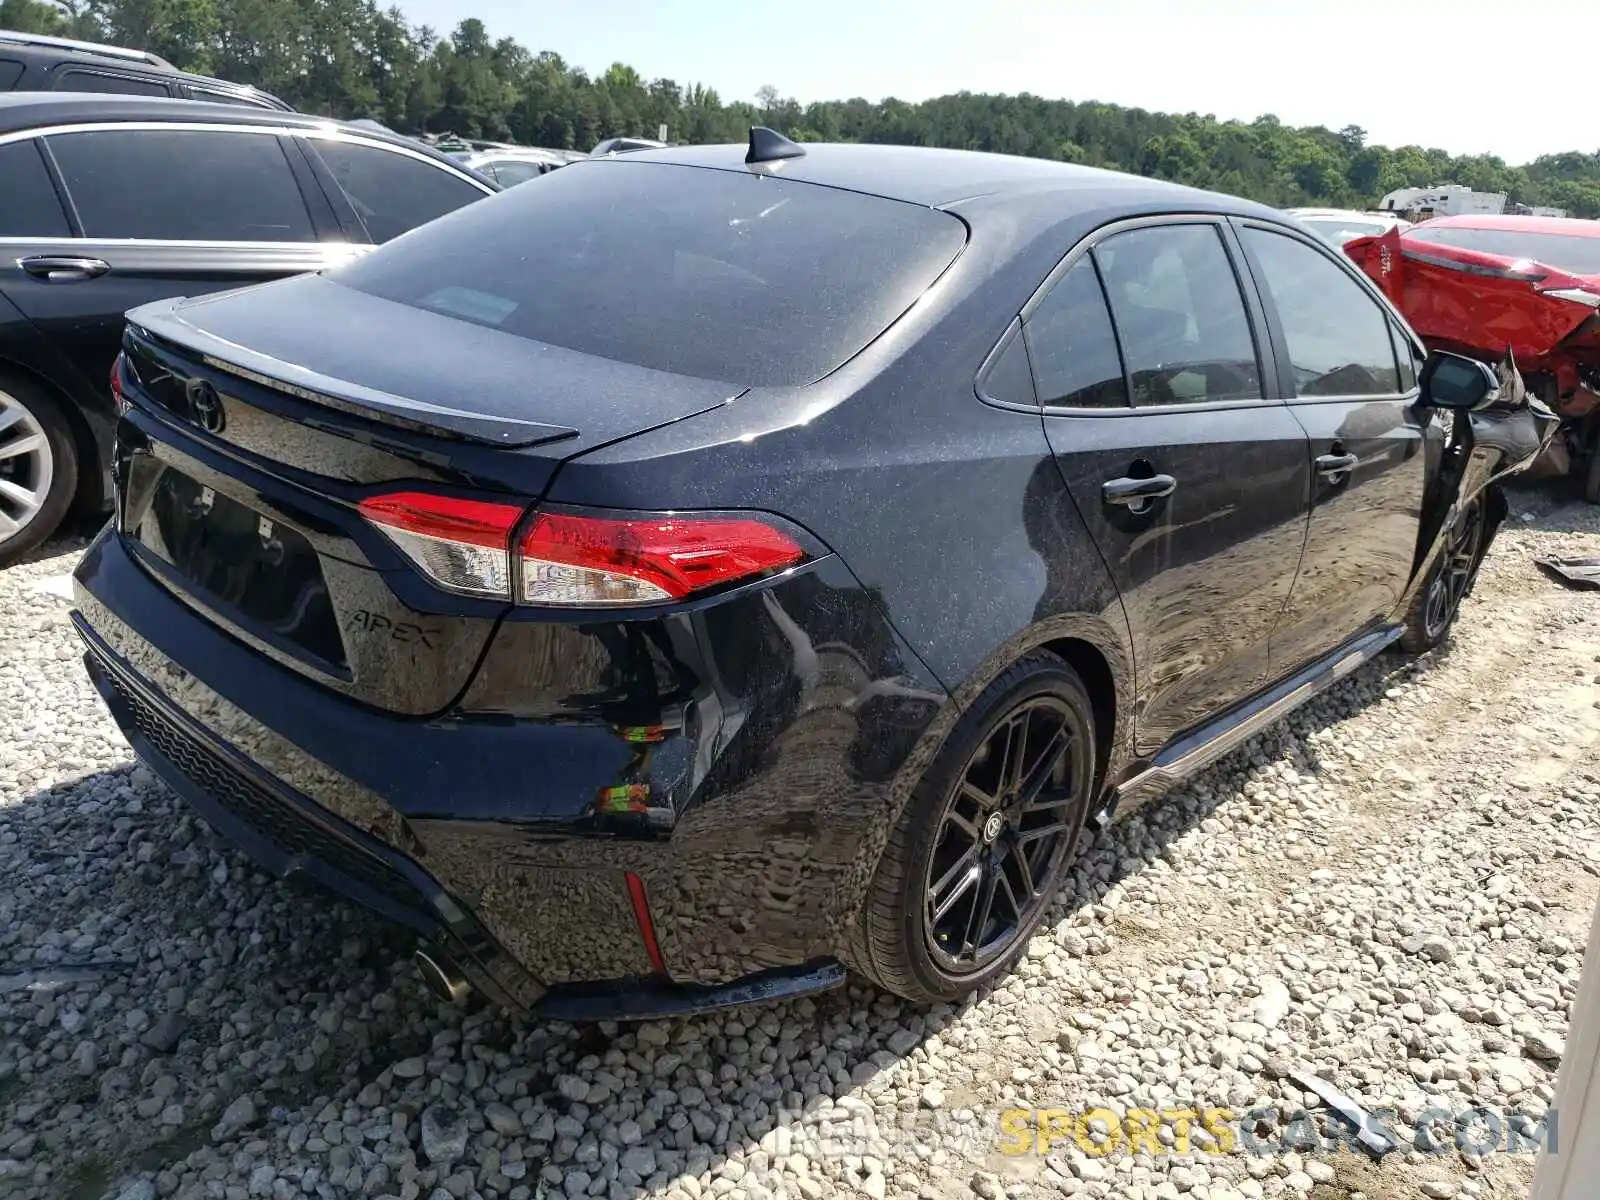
(1383, 890)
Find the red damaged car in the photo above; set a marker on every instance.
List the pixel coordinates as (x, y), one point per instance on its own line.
(1492, 285)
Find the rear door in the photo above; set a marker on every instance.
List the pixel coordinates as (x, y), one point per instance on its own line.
(1336, 348)
(157, 211)
(1189, 471)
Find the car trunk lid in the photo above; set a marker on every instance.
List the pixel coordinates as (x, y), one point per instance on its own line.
(248, 445)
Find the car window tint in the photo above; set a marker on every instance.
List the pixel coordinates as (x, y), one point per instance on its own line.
(182, 185)
(745, 278)
(1409, 357)
(393, 192)
(510, 171)
(1072, 347)
(1179, 314)
(1338, 335)
(1008, 379)
(120, 85)
(29, 206)
(10, 72)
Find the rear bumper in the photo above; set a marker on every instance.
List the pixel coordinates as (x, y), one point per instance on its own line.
(750, 882)
(287, 834)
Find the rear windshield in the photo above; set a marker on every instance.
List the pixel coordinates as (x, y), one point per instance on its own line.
(1339, 232)
(1575, 254)
(723, 275)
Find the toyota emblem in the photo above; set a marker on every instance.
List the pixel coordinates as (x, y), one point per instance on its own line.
(205, 405)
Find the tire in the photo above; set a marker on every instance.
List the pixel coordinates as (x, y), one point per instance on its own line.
(1591, 475)
(38, 467)
(902, 942)
(1435, 605)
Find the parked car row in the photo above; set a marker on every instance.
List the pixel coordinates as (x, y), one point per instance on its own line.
(710, 568)
(108, 202)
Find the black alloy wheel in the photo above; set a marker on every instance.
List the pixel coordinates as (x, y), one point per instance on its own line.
(979, 853)
(1434, 610)
(1006, 821)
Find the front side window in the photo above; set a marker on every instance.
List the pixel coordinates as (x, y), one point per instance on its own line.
(393, 192)
(1072, 347)
(1183, 325)
(748, 279)
(182, 185)
(29, 206)
(1338, 337)
(510, 171)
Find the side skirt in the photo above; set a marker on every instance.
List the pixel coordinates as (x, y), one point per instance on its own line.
(1200, 748)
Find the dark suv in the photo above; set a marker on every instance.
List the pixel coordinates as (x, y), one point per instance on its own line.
(31, 62)
(107, 202)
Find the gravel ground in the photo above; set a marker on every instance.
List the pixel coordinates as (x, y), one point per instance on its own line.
(1391, 890)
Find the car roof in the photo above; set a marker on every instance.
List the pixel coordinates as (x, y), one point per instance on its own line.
(938, 178)
(22, 111)
(1571, 226)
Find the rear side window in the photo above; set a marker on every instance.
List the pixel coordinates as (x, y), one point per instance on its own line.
(1072, 347)
(1182, 321)
(120, 85)
(725, 275)
(393, 192)
(210, 97)
(29, 206)
(1338, 336)
(182, 185)
(10, 72)
(509, 171)
(1577, 253)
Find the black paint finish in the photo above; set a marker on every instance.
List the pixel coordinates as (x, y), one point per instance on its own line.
(788, 719)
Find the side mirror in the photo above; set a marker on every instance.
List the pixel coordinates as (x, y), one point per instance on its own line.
(1457, 382)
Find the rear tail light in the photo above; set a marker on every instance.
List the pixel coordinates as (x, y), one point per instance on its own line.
(603, 561)
(459, 544)
(578, 560)
(116, 384)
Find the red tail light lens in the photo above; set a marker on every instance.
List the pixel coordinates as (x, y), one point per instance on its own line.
(587, 561)
(577, 560)
(116, 384)
(462, 545)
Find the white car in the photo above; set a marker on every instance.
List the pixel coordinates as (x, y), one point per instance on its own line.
(1340, 225)
(509, 167)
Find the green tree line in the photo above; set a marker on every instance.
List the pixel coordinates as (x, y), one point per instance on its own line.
(350, 58)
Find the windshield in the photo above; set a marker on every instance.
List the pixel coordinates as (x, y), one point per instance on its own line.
(1573, 253)
(725, 275)
(1338, 232)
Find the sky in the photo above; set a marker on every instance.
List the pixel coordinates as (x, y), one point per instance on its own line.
(1430, 75)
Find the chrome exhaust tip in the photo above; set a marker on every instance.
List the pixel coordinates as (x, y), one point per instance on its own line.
(442, 977)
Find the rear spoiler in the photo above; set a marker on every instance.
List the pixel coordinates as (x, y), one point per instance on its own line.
(159, 324)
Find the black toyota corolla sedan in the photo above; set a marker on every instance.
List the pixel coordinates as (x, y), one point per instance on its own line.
(714, 568)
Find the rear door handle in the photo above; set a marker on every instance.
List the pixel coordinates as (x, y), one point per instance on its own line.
(1329, 465)
(1136, 493)
(63, 268)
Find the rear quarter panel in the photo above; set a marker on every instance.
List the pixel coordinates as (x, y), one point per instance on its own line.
(949, 513)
